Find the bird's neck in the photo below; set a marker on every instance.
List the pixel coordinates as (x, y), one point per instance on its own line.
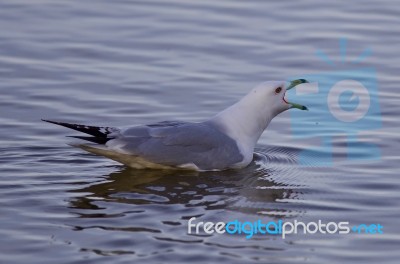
(244, 121)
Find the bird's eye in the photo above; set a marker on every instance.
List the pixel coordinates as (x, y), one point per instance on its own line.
(278, 90)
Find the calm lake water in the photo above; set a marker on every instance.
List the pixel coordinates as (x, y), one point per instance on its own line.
(132, 62)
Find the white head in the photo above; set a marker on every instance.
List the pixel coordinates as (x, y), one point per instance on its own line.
(269, 97)
(247, 119)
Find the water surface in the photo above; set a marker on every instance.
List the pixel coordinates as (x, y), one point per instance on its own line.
(134, 62)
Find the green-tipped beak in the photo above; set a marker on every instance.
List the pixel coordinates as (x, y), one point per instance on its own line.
(292, 85)
(295, 83)
(298, 106)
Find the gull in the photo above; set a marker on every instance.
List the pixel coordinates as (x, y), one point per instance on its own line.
(225, 141)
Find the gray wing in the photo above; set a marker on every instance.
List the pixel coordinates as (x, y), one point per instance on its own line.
(178, 143)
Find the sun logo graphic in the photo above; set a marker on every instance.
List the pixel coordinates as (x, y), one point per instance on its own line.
(342, 103)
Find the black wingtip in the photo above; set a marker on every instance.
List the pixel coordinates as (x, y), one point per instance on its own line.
(98, 132)
(98, 137)
(49, 121)
(60, 123)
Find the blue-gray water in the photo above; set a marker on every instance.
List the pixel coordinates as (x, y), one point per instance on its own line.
(133, 62)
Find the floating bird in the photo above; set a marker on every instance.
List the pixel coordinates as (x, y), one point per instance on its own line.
(226, 141)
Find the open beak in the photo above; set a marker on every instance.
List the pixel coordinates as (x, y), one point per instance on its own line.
(292, 85)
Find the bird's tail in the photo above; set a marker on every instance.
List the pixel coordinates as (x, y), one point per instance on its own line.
(99, 135)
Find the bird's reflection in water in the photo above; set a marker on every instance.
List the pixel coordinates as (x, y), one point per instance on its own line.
(153, 207)
(251, 190)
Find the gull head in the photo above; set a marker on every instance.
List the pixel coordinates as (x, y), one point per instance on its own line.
(246, 120)
(272, 95)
